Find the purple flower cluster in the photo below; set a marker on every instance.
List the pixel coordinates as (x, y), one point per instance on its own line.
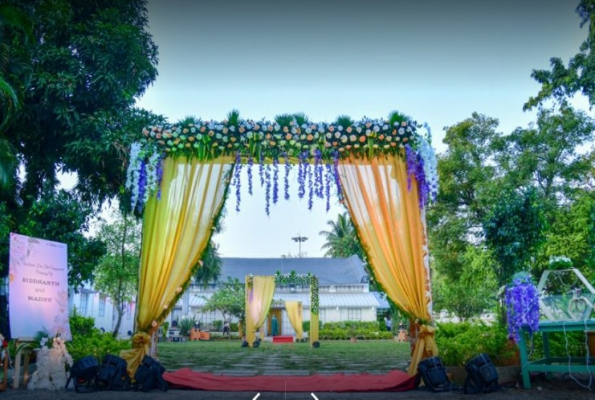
(302, 175)
(261, 171)
(275, 181)
(287, 168)
(415, 167)
(159, 177)
(267, 179)
(236, 180)
(250, 164)
(310, 187)
(142, 185)
(337, 179)
(328, 178)
(522, 307)
(318, 170)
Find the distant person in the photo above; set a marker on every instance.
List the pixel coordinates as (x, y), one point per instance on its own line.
(226, 329)
(388, 322)
(274, 326)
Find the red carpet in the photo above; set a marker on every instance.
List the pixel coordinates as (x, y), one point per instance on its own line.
(394, 381)
(282, 339)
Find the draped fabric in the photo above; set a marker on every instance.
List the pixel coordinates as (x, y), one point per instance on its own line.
(176, 230)
(392, 228)
(258, 302)
(313, 327)
(294, 312)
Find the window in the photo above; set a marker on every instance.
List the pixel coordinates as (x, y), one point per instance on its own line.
(206, 319)
(83, 304)
(354, 314)
(322, 315)
(101, 308)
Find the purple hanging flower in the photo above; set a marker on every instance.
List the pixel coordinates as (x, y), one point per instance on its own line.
(337, 178)
(415, 167)
(142, 186)
(301, 176)
(275, 181)
(287, 168)
(159, 177)
(267, 180)
(261, 170)
(236, 180)
(522, 306)
(328, 178)
(310, 187)
(250, 164)
(318, 170)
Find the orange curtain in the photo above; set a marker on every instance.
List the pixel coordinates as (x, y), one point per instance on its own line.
(392, 228)
(176, 230)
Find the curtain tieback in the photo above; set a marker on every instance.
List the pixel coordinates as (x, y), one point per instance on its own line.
(426, 332)
(141, 339)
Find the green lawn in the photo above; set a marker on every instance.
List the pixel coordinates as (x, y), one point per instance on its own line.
(332, 356)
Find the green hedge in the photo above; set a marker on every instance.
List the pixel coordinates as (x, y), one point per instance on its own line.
(359, 329)
(459, 342)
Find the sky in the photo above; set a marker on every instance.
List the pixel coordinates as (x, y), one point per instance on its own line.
(437, 61)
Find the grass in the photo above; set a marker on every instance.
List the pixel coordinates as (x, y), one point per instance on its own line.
(332, 356)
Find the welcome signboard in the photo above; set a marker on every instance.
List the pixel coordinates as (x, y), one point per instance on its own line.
(38, 287)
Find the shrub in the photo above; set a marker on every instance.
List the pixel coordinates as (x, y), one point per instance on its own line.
(186, 324)
(81, 325)
(233, 327)
(458, 343)
(306, 326)
(97, 344)
(217, 324)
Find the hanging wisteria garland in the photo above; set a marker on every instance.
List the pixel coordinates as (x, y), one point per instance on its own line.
(318, 148)
(522, 306)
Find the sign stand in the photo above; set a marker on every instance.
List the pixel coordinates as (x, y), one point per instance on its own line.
(22, 350)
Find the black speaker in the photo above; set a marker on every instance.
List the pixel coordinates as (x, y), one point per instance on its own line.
(433, 373)
(482, 376)
(84, 374)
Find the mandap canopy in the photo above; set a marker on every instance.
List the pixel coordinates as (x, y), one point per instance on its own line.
(384, 171)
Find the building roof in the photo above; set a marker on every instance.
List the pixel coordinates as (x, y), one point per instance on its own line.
(330, 271)
(325, 299)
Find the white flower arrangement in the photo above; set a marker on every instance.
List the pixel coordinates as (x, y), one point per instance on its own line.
(51, 366)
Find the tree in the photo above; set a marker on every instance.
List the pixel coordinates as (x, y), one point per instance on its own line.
(62, 217)
(341, 239)
(117, 271)
(562, 82)
(548, 156)
(467, 186)
(90, 62)
(514, 231)
(465, 297)
(229, 299)
(210, 270)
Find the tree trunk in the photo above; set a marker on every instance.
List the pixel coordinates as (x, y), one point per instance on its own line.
(118, 322)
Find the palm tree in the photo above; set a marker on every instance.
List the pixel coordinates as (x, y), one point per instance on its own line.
(341, 239)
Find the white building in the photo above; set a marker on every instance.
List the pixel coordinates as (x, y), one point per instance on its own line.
(90, 303)
(343, 294)
(343, 290)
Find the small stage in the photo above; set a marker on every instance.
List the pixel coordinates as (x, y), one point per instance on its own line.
(283, 339)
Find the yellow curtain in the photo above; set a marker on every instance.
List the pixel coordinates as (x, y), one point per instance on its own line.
(258, 303)
(391, 226)
(294, 312)
(176, 230)
(313, 334)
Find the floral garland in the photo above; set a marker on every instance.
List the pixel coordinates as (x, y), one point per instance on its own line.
(302, 279)
(51, 365)
(318, 147)
(522, 306)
